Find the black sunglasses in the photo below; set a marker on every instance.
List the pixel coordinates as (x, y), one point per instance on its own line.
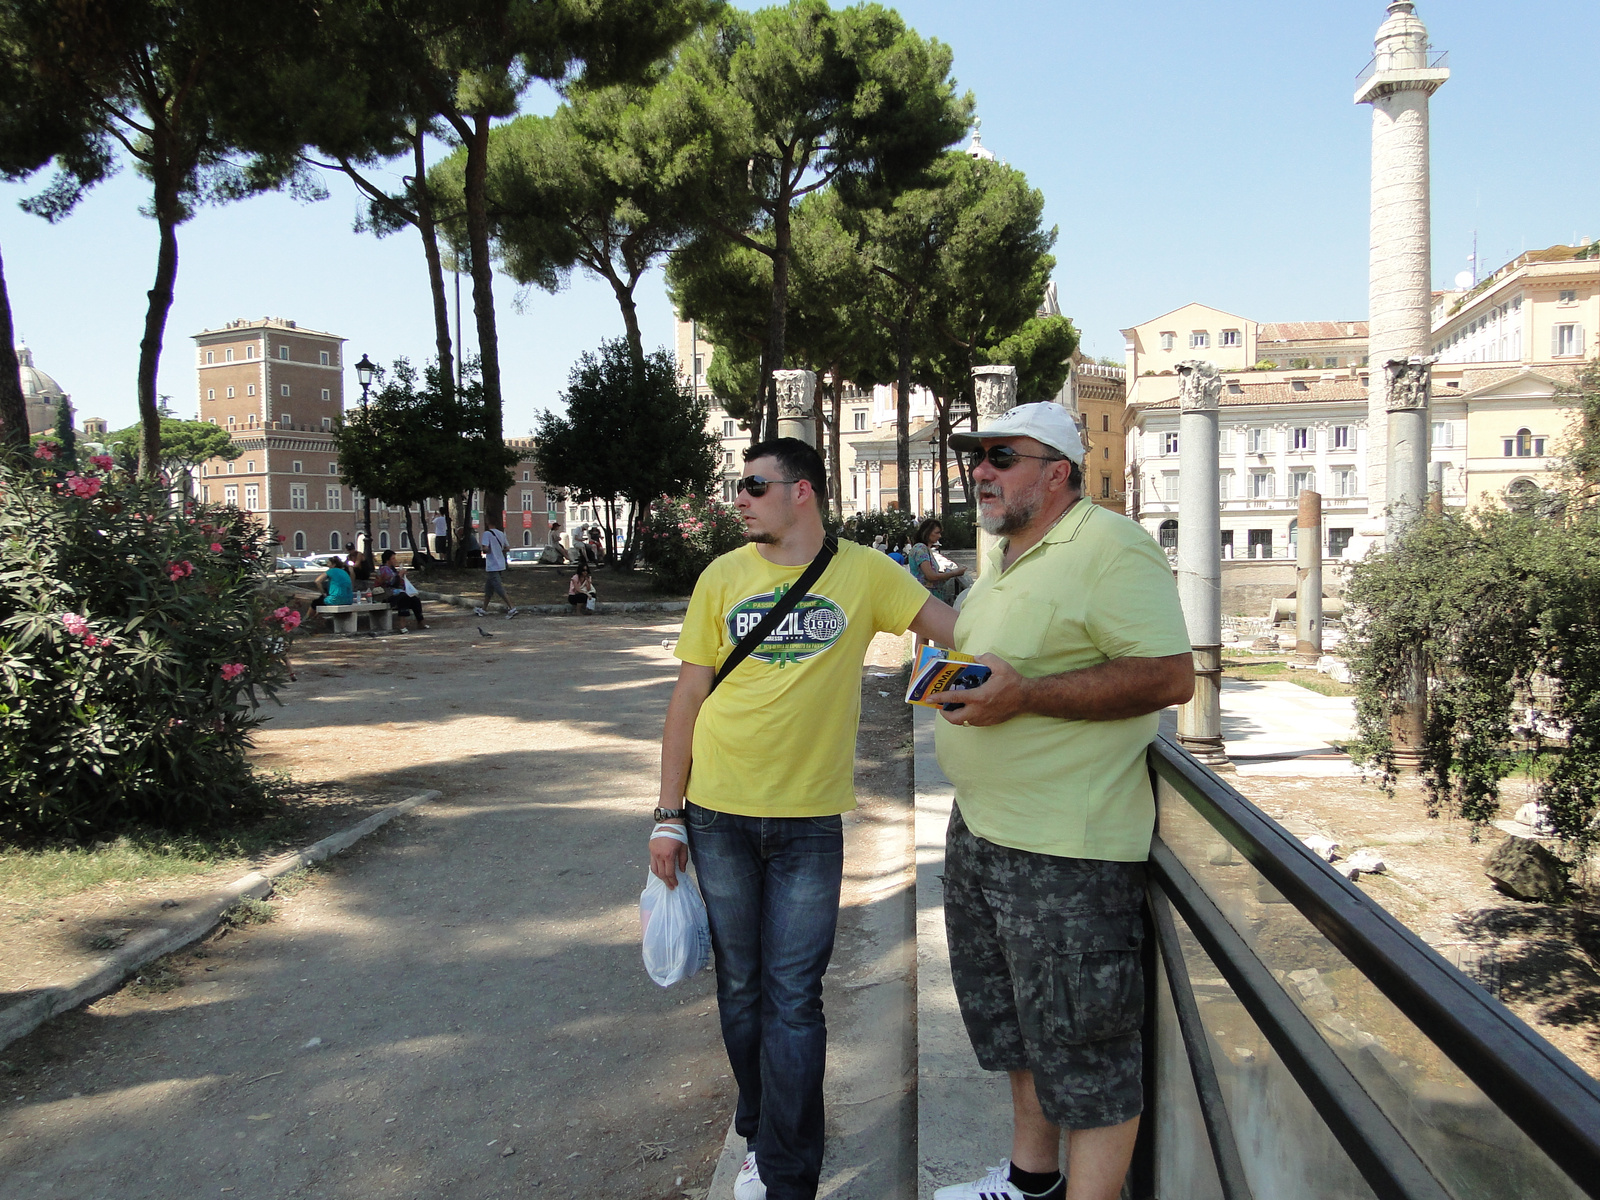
(1003, 458)
(757, 485)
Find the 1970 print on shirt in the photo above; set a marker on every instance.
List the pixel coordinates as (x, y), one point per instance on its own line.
(811, 627)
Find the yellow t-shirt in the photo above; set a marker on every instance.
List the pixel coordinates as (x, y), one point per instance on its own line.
(778, 736)
(1096, 587)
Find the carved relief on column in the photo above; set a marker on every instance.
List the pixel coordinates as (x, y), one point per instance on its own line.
(1199, 386)
(1408, 382)
(796, 390)
(995, 389)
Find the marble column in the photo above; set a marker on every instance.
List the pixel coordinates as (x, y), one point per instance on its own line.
(1308, 581)
(796, 395)
(995, 389)
(1199, 560)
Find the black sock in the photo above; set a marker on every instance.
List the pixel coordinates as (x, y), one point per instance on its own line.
(1035, 1183)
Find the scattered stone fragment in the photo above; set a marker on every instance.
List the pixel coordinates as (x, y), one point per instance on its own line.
(508, 1152)
(1533, 813)
(1324, 848)
(312, 1044)
(1367, 861)
(1525, 870)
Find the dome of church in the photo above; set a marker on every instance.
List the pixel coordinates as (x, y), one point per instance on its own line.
(36, 385)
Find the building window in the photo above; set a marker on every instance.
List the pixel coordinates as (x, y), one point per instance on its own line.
(230, 495)
(1568, 297)
(1262, 485)
(552, 503)
(1260, 543)
(1257, 441)
(1168, 340)
(1230, 337)
(300, 540)
(252, 497)
(230, 393)
(298, 467)
(1441, 433)
(527, 501)
(1299, 385)
(335, 542)
(322, 357)
(727, 458)
(1199, 340)
(336, 498)
(527, 538)
(285, 420)
(1330, 362)
(405, 539)
(860, 420)
(283, 389)
(1341, 437)
(210, 357)
(327, 422)
(1224, 441)
(251, 420)
(1344, 481)
(1300, 438)
(230, 420)
(1105, 487)
(1224, 484)
(1338, 539)
(227, 356)
(526, 475)
(1302, 481)
(1227, 543)
(230, 468)
(297, 495)
(326, 394)
(333, 468)
(1169, 443)
(383, 539)
(283, 353)
(1566, 341)
(699, 367)
(211, 393)
(729, 429)
(249, 351)
(1105, 422)
(1167, 535)
(250, 390)
(1169, 485)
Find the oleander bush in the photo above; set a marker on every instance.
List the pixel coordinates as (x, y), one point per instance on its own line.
(683, 534)
(136, 645)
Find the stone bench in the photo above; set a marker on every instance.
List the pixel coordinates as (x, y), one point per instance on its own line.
(347, 617)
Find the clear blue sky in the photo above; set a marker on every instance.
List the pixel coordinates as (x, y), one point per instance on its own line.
(1187, 151)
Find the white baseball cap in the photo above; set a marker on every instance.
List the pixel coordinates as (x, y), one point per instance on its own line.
(1044, 421)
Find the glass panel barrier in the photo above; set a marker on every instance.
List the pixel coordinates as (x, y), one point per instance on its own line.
(1471, 1147)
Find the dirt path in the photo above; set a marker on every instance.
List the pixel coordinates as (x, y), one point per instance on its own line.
(456, 1007)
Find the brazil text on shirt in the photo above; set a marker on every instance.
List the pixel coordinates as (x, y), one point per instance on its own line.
(777, 738)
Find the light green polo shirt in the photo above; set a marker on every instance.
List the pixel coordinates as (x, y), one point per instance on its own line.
(1096, 587)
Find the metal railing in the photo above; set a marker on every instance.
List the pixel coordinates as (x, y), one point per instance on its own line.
(1432, 60)
(1303, 1043)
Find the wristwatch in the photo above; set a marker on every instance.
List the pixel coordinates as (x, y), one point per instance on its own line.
(671, 814)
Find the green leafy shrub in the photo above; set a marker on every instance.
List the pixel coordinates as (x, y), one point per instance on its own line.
(892, 523)
(135, 644)
(683, 534)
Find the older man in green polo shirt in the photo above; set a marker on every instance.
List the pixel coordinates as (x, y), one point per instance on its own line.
(1077, 616)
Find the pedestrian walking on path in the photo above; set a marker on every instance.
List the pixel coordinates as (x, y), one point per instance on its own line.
(760, 770)
(494, 545)
(1053, 808)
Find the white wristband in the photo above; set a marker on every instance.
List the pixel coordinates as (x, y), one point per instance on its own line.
(676, 832)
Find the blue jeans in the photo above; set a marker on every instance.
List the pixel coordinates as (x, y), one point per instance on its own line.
(771, 886)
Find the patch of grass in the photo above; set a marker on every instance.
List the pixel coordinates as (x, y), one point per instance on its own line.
(249, 911)
(157, 977)
(296, 880)
(1278, 670)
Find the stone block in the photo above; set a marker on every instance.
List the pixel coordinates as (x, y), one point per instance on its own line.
(1525, 870)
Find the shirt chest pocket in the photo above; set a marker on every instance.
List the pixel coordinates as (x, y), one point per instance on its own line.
(1023, 629)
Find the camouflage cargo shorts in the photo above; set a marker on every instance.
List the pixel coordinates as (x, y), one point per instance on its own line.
(1045, 954)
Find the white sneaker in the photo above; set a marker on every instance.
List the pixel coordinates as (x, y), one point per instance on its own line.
(479, 612)
(510, 612)
(996, 1185)
(747, 1184)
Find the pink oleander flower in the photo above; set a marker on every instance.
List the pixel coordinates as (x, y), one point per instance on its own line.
(180, 570)
(286, 617)
(45, 451)
(83, 486)
(101, 462)
(91, 641)
(216, 547)
(231, 671)
(75, 625)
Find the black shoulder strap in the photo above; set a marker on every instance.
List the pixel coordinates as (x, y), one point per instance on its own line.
(779, 611)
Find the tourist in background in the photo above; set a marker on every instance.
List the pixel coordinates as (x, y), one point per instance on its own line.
(494, 565)
(580, 590)
(402, 599)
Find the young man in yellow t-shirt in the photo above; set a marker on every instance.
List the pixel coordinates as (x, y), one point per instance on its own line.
(760, 772)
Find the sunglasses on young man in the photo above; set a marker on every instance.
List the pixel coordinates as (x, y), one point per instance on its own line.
(757, 485)
(1003, 458)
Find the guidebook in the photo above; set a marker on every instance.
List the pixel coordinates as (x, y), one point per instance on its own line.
(939, 672)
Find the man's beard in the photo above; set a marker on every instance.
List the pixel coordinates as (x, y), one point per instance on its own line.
(761, 537)
(1018, 513)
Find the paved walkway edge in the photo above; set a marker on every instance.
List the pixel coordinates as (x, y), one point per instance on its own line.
(25, 1016)
(963, 1111)
(551, 610)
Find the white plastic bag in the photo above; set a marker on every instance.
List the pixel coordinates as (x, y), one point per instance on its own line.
(676, 935)
(590, 603)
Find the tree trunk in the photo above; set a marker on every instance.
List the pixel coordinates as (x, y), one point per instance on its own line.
(167, 211)
(773, 359)
(13, 405)
(430, 248)
(942, 412)
(477, 174)
(758, 413)
(902, 411)
(411, 536)
(630, 321)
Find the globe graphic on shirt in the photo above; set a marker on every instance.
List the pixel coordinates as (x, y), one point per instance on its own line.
(814, 624)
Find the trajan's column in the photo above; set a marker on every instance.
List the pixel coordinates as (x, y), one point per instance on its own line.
(1397, 84)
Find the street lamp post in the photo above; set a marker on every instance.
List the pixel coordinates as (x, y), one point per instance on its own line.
(365, 369)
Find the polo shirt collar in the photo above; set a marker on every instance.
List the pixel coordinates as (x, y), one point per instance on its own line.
(1064, 530)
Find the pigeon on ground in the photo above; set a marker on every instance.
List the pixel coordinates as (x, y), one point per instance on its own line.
(484, 631)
